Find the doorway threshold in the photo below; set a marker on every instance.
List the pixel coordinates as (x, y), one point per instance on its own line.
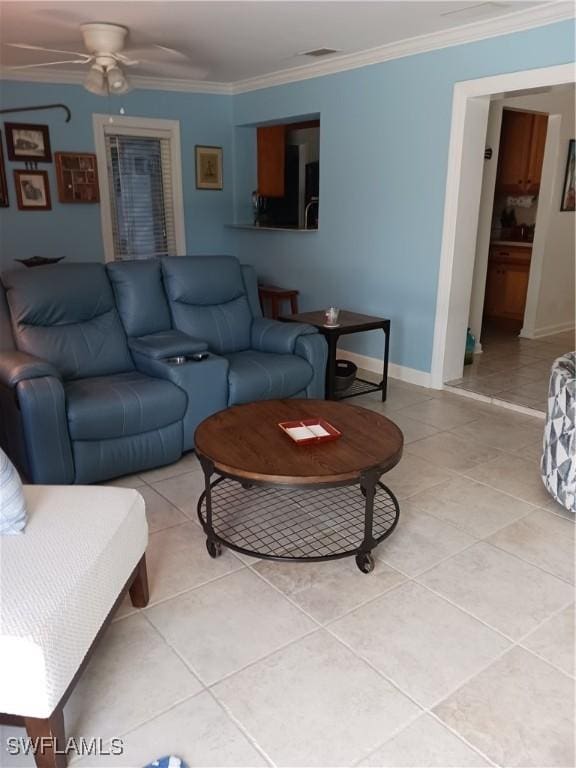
(455, 390)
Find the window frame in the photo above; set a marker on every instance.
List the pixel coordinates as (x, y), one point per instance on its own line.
(146, 127)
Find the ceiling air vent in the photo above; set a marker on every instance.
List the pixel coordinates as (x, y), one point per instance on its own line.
(318, 52)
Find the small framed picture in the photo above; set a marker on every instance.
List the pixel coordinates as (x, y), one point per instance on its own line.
(3, 187)
(26, 141)
(209, 167)
(569, 191)
(32, 190)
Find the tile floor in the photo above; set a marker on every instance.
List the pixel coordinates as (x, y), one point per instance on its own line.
(513, 369)
(458, 650)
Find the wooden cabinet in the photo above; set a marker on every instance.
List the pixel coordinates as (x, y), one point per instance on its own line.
(507, 282)
(271, 142)
(521, 153)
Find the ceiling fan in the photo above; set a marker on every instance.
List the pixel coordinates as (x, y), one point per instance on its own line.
(104, 44)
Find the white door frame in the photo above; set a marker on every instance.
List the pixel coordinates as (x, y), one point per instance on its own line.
(461, 207)
(138, 126)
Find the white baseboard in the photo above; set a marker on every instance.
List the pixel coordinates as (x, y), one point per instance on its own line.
(546, 330)
(401, 372)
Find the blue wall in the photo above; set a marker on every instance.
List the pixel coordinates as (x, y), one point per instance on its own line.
(74, 230)
(384, 136)
(383, 156)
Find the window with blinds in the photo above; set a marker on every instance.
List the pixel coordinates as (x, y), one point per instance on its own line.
(141, 196)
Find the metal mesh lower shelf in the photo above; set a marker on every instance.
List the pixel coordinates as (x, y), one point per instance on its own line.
(359, 387)
(296, 523)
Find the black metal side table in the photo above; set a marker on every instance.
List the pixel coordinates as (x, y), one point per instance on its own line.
(348, 322)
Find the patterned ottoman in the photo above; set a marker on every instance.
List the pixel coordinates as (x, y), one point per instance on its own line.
(558, 466)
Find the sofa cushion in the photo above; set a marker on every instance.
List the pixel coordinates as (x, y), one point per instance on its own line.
(265, 376)
(208, 300)
(66, 314)
(140, 296)
(203, 280)
(105, 407)
(58, 583)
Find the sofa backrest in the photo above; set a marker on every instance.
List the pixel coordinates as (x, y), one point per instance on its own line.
(140, 296)
(66, 314)
(208, 299)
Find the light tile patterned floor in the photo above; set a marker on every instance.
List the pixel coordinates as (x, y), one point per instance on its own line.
(513, 369)
(458, 650)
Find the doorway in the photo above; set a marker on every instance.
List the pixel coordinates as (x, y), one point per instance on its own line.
(470, 120)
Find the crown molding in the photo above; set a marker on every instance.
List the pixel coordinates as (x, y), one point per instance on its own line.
(58, 77)
(516, 21)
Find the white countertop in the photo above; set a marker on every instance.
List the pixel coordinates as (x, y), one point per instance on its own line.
(510, 243)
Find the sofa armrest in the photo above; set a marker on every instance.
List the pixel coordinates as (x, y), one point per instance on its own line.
(273, 336)
(314, 350)
(16, 366)
(166, 344)
(42, 403)
(205, 382)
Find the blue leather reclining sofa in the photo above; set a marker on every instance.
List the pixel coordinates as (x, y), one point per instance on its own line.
(86, 392)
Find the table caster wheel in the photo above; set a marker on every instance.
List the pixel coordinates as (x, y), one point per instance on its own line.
(214, 548)
(365, 562)
(247, 486)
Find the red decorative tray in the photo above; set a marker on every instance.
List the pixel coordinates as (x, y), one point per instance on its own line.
(310, 431)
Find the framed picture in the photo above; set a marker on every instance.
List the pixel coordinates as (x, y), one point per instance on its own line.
(569, 191)
(32, 190)
(209, 167)
(3, 188)
(26, 141)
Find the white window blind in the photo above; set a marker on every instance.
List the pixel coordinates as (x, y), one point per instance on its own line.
(141, 196)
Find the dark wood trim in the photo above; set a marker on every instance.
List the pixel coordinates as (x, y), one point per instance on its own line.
(51, 730)
(139, 593)
(4, 201)
(137, 587)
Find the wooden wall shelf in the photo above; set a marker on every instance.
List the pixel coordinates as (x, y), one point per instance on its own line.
(77, 177)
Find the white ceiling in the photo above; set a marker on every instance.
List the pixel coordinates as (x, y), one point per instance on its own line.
(227, 42)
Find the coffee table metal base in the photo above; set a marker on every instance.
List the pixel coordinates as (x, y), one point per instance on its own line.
(297, 523)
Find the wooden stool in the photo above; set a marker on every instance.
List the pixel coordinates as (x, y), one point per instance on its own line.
(275, 296)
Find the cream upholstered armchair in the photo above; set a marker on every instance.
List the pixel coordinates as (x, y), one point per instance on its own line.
(61, 580)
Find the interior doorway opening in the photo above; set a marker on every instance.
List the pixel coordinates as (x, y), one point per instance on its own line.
(473, 226)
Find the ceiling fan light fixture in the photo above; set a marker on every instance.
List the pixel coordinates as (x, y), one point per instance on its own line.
(95, 81)
(117, 82)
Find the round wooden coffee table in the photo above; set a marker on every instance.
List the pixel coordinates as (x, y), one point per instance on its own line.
(278, 500)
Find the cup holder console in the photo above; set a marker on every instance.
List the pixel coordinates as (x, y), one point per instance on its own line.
(195, 357)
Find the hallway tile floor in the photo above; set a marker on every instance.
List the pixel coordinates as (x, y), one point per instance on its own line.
(513, 369)
(458, 650)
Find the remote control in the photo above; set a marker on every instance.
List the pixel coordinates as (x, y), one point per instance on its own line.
(197, 357)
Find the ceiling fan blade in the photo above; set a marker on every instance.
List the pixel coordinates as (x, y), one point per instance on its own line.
(158, 68)
(48, 64)
(158, 53)
(126, 60)
(28, 47)
(172, 51)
